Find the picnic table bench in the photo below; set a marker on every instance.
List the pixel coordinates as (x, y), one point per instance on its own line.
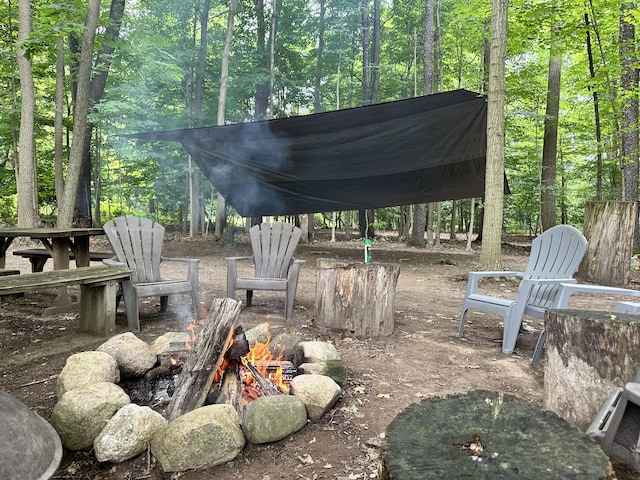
(98, 286)
(39, 256)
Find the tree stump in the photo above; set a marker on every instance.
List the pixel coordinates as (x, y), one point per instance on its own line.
(356, 297)
(588, 355)
(487, 435)
(608, 226)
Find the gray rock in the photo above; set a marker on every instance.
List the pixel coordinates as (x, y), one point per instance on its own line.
(82, 413)
(284, 345)
(86, 368)
(312, 352)
(317, 392)
(334, 369)
(133, 355)
(128, 433)
(272, 418)
(260, 333)
(206, 437)
(164, 342)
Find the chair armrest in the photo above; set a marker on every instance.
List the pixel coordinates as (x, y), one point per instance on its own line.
(568, 289)
(192, 273)
(113, 262)
(232, 272)
(475, 277)
(183, 260)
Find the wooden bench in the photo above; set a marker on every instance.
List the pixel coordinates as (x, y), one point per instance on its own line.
(39, 256)
(98, 287)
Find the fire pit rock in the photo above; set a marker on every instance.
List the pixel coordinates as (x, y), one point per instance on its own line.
(318, 393)
(272, 418)
(207, 436)
(82, 413)
(87, 368)
(133, 355)
(128, 433)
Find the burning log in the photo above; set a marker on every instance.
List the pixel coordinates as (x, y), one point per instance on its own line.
(266, 385)
(208, 353)
(230, 388)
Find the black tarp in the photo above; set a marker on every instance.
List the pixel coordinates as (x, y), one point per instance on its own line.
(417, 150)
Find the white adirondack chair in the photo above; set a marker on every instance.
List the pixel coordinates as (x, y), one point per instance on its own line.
(137, 243)
(273, 246)
(555, 257)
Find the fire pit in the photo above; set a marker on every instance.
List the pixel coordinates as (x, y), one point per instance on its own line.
(211, 389)
(30, 448)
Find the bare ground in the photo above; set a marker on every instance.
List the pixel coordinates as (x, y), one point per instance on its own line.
(421, 358)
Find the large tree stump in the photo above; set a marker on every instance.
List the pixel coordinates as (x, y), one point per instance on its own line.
(588, 355)
(207, 355)
(608, 226)
(356, 297)
(487, 435)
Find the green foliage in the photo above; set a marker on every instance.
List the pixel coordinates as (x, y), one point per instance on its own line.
(151, 87)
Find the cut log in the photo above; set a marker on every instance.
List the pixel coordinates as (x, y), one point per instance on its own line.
(208, 352)
(487, 435)
(588, 355)
(356, 297)
(609, 227)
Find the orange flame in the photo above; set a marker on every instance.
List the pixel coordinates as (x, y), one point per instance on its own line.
(189, 343)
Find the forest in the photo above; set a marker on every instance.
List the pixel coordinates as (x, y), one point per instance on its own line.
(106, 69)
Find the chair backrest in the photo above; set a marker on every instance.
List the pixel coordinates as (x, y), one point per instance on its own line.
(138, 243)
(273, 247)
(555, 253)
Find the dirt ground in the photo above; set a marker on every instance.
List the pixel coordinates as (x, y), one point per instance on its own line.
(421, 358)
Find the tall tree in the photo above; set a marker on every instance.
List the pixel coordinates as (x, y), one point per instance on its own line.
(550, 139)
(491, 253)
(221, 212)
(28, 215)
(80, 114)
(629, 110)
(419, 210)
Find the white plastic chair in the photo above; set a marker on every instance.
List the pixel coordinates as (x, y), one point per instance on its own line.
(555, 257)
(273, 247)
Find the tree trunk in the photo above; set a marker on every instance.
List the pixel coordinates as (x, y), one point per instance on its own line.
(608, 227)
(317, 104)
(366, 61)
(26, 180)
(550, 141)
(58, 125)
(629, 113)
(419, 225)
(66, 209)
(262, 88)
(596, 112)
(375, 54)
(221, 211)
(419, 210)
(98, 83)
(491, 253)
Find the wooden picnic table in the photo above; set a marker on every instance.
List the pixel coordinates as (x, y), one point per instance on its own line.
(58, 241)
